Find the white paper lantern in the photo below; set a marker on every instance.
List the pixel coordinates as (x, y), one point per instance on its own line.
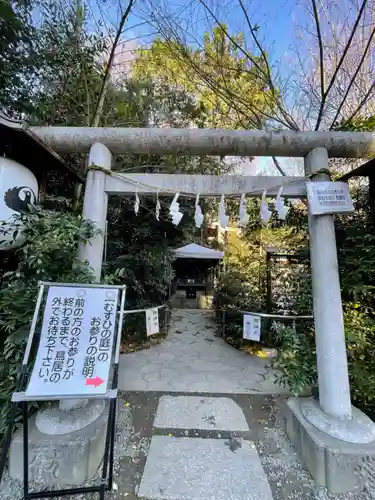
(18, 189)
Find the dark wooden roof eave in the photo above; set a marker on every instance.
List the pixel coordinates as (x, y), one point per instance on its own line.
(19, 143)
(364, 170)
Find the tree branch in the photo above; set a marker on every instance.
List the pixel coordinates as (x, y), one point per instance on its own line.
(286, 115)
(278, 166)
(107, 74)
(167, 28)
(289, 122)
(362, 103)
(232, 40)
(258, 44)
(321, 61)
(352, 81)
(341, 60)
(231, 97)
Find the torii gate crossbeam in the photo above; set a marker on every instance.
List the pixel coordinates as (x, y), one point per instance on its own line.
(163, 141)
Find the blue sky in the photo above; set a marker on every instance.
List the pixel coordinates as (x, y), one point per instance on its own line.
(274, 17)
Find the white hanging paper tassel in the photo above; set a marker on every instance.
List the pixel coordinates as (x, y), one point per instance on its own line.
(174, 210)
(157, 208)
(198, 216)
(176, 218)
(281, 209)
(223, 217)
(265, 213)
(136, 203)
(244, 216)
(174, 205)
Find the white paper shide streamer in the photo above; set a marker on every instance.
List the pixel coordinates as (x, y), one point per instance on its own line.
(136, 203)
(223, 217)
(157, 208)
(174, 210)
(281, 209)
(265, 213)
(176, 215)
(244, 216)
(198, 216)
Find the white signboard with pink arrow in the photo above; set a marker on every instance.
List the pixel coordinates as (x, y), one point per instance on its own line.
(75, 349)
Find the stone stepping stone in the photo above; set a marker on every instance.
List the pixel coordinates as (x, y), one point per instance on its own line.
(203, 469)
(201, 413)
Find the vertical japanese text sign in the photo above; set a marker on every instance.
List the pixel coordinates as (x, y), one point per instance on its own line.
(152, 321)
(251, 327)
(75, 348)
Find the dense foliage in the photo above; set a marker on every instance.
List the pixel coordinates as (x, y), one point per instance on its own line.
(204, 72)
(243, 284)
(16, 53)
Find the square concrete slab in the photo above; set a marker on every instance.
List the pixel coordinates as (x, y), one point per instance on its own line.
(203, 469)
(195, 412)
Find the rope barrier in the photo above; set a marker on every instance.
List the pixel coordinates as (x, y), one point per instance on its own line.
(133, 311)
(276, 316)
(187, 194)
(99, 169)
(267, 315)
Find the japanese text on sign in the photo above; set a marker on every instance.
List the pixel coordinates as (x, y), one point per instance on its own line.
(251, 327)
(328, 197)
(152, 321)
(76, 342)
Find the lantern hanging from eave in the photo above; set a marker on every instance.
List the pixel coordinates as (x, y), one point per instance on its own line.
(18, 189)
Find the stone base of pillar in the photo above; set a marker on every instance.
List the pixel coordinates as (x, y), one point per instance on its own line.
(68, 457)
(338, 465)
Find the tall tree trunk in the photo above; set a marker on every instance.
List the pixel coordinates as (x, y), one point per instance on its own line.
(103, 90)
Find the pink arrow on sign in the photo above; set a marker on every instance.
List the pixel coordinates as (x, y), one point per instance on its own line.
(94, 381)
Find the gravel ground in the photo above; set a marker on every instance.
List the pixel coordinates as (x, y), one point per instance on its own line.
(11, 489)
(288, 478)
(287, 475)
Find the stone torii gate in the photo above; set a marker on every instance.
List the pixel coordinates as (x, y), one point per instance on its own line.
(331, 435)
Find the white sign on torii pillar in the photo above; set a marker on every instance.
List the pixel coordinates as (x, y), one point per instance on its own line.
(333, 415)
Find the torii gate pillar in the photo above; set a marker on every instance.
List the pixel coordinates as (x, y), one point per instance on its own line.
(95, 206)
(333, 378)
(332, 436)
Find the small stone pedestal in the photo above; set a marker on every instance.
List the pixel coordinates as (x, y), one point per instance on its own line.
(342, 463)
(66, 446)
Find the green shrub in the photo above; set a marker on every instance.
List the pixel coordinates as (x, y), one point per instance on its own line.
(147, 272)
(49, 254)
(360, 336)
(296, 359)
(236, 292)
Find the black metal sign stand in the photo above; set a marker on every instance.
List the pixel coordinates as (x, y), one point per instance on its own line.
(20, 399)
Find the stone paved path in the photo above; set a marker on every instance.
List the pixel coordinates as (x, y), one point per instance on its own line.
(194, 359)
(202, 467)
(183, 448)
(206, 426)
